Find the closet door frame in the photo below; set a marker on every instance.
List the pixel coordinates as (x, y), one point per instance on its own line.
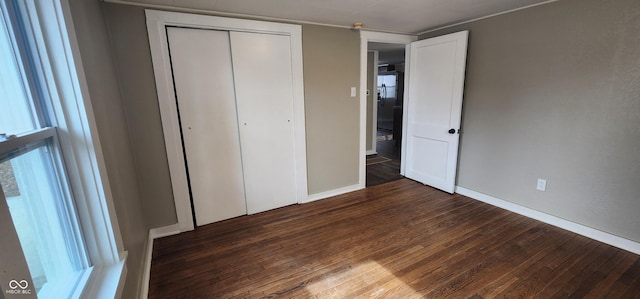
(157, 22)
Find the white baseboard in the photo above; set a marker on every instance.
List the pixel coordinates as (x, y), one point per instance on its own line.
(164, 231)
(580, 229)
(331, 193)
(371, 152)
(154, 233)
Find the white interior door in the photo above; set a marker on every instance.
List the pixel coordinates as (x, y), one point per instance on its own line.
(264, 95)
(203, 80)
(434, 108)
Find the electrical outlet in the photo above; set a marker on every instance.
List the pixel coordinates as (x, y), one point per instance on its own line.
(542, 185)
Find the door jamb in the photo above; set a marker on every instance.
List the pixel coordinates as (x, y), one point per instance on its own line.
(365, 38)
(374, 97)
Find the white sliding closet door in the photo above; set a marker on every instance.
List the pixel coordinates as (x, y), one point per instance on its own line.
(264, 94)
(203, 80)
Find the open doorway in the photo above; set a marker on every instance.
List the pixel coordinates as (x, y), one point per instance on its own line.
(439, 103)
(385, 86)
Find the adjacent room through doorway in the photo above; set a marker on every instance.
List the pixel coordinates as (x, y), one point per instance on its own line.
(385, 84)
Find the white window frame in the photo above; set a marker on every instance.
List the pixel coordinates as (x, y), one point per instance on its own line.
(50, 34)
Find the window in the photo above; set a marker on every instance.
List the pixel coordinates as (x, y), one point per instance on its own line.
(60, 238)
(387, 86)
(43, 218)
(33, 182)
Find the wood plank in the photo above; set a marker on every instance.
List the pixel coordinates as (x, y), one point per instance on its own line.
(398, 239)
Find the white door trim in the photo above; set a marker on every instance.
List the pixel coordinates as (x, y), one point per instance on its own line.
(365, 38)
(156, 23)
(374, 97)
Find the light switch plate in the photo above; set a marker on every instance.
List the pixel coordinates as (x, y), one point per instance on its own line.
(353, 92)
(542, 185)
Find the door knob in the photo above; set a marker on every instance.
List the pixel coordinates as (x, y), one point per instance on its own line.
(452, 131)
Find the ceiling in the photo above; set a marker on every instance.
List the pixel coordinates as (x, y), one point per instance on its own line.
(388, 53)
(402, 16)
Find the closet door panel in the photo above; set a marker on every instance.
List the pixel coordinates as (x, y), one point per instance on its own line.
(203, 79)
(264, 95)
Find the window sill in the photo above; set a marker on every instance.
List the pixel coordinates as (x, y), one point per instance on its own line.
(60, 287)
(107, 281)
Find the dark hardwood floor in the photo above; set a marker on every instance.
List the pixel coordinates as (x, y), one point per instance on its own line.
(396, 240)
(380, 173)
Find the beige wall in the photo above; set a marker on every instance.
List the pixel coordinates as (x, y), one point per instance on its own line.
(113, 132)
(552, 92)
(331, 68)
(130, 43)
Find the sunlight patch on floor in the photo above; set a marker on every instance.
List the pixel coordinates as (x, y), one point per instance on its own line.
(369, 276)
